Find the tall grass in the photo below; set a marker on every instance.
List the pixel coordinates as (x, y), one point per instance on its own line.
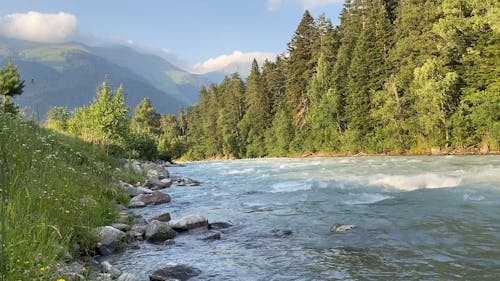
(54, 190)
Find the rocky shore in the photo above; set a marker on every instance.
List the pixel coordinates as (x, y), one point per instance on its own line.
(130, 230)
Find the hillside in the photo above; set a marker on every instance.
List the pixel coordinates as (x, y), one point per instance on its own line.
(68, 74)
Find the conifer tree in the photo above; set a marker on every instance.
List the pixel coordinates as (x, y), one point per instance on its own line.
(145, 120)
(11, 85)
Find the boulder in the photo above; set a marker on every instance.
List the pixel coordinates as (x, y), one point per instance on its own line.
(169, 271)
(121, 226)
(154, 198)
(71, 272)
(158, 231)
(154, 170)
(155, 183)
(212, 236)
(165, 217)
(114, 272)
(109, 239)
(191, 182)
(341, 227)
(127, 277)
(190, 222)
(137, 232)
(137, 190)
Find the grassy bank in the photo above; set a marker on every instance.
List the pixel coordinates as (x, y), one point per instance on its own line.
(54, 189)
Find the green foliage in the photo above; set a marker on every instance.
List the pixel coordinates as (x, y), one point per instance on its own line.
(145, 119)
(55, 189)
(57, 119)
(104, 121)
(394, 77)
(11, 85)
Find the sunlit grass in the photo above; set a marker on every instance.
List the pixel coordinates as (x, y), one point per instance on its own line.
(56, 188)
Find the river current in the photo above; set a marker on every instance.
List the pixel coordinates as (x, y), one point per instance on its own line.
(415, 218)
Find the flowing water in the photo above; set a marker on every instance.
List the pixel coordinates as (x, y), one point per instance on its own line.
(415, 218)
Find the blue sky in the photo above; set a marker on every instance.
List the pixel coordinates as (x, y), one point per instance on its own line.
(202, 34)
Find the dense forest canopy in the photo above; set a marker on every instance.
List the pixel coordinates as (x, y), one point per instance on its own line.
(396, 76)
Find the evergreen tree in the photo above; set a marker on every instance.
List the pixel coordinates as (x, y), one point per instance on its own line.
(366, 74)
(11, 85)
(255, 121)
(300, 67)
(145, 119)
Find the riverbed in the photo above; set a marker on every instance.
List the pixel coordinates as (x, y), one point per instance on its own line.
(414, 218)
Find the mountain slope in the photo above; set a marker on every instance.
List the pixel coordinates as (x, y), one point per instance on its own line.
(68, 75)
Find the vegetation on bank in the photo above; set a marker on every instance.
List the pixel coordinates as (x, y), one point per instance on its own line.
(54, 190)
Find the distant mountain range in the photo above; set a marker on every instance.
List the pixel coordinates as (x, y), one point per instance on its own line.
(68, 74)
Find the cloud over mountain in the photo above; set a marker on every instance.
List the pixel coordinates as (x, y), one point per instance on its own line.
(39, 27)
(236, 61)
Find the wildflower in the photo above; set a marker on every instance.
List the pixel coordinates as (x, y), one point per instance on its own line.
(61, 279)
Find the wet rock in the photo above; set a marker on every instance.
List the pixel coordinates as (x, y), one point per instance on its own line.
(121, 226)
(137, 232)
(212, 236)
(127, 277)
(109, 239)
(154, 198)
(158, 231)
(169, 271)
(165, 217)
(281, 233)
(191, 182)
(114, 272)
(341, 227)
(220, 225)
(156, 184)
(190, 222)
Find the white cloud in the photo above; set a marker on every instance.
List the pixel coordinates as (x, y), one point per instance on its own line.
(236, 61)
(307, 4)
(38, 27)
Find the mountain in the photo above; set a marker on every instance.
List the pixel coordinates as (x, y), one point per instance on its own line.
(68, 74)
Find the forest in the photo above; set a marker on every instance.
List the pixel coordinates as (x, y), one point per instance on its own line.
(395, 77)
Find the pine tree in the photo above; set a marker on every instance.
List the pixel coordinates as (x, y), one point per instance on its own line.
(255, 121)
(145, 119)
(11, 85)
(300, 67)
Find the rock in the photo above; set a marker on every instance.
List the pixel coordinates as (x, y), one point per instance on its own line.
(191, 182)
(70, 272)
(485, 148)
(165, 217)
(158, 231)
(114, 272)
(190, 222)
(137, 232)
(169, 271)
(436, 150)
(136, 167)
(154, 170)
(212, 236)
(220, 225)
(104, 277)
(281, 233)
(341, 227)
(127, 277)
(137, 190)
(156, 184)
(121, 226)
(109, 239)
(154, 198)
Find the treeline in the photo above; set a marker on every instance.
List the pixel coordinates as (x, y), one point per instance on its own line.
(394, 77)
(106, 122)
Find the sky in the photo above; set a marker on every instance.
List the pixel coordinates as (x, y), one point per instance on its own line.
(197, 35)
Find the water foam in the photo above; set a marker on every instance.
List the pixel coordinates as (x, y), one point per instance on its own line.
(366, 198)
(290, 186)
(414, 182)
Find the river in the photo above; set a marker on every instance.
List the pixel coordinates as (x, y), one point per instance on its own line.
(415, 218)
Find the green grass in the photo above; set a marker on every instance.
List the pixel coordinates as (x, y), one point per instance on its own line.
(54, 189)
